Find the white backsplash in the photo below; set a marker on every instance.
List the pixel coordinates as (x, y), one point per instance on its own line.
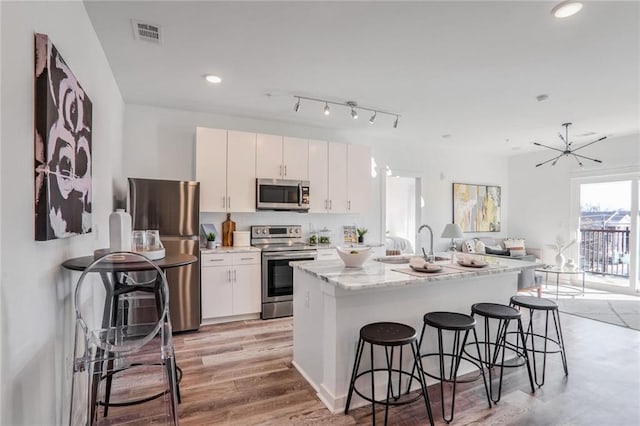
(318, 221)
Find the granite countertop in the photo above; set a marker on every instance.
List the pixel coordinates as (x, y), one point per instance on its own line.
(375, 274)
(334, 245)
(220, 249)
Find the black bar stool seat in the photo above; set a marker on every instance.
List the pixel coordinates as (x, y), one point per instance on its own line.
(389, 335)
(504, 315)
(457, 323)
(496, 311)
(534, 304)
(449, 321)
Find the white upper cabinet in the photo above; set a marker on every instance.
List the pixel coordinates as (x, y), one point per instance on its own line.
(211, 168)
(226, 170)
(269, 157)
(282, 157)
(241, 172)
(295, 158)
(318, 180)
(337, 182)
(358, 178)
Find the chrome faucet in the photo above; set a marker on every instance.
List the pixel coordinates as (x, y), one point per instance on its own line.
(428, 257)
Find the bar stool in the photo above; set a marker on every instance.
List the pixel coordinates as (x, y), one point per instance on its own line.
(504, 314)
(388, 335)
(538, 304)
(456, 322)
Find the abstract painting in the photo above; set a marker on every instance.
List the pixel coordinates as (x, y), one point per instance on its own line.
(476, 208)
(63, 159)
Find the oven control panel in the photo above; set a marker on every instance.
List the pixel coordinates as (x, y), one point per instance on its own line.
(278, 231)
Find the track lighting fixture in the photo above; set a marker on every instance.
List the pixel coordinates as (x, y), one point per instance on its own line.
(353, 106)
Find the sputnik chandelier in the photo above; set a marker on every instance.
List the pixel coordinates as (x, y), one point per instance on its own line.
(353, 106)
(568, 149)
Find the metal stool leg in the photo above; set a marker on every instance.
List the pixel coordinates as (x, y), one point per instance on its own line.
(484, 379)
(423, 385)
(356, 365)
(526, 356)
(558, 327)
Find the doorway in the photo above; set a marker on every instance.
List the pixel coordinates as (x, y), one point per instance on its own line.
(402, 206)
(608, 232)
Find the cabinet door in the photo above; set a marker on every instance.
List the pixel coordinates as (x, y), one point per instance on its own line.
(295, 158)
(241, 172)
(246, 289)
(211, 168)
(318, 164)
(269, 157)
(358, 178)
(217, 292)
(337, 178)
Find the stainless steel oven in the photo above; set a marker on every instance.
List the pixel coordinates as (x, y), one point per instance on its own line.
(280, 245)
(282, 194)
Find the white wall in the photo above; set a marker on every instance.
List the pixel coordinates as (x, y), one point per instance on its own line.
(37, 322)
(160, 143)
(541, 199)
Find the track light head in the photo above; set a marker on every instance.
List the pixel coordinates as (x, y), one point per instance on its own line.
(395, 123)
(327, 110)
(296, 108)
(354, 113)
(373, 117)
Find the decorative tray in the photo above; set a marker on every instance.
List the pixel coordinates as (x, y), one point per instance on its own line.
(434, 268)
(473, 265)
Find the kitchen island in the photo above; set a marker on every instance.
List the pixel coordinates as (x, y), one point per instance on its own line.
(331, 303)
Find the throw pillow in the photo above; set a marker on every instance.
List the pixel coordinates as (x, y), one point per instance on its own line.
(468, 246)
(479, 246)
(513, 242)
(490, 250)
(517, 251)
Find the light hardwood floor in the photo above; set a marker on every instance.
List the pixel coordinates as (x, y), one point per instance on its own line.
(241, 374)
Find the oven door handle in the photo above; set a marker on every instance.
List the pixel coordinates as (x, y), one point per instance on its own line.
(300, 195)
(289, 256)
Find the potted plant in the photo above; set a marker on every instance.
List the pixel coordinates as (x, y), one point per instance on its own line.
(211, 240)
(361, 232)
(560, 246)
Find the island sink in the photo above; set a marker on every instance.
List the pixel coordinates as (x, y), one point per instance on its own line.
(397, 260)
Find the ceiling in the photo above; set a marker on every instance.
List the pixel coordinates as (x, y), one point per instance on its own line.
(471, 70)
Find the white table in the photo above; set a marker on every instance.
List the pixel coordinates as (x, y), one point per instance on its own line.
(559, 271)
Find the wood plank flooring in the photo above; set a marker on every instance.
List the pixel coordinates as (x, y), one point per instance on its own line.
(241, 374)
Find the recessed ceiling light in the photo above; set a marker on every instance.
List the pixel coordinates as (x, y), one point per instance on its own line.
(542, 98)
(213, 79)
(566, 9)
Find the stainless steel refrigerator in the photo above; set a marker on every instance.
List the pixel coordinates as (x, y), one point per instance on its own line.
(173, 208)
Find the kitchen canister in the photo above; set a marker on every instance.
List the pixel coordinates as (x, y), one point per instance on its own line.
(241, 238)
(120, 231)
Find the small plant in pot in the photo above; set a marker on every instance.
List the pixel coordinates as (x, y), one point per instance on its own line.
(361, 233)
(211, 240)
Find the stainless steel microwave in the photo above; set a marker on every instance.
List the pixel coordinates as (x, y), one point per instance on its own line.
(282, 194)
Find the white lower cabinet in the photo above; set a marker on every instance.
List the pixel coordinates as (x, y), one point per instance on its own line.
(230, 284)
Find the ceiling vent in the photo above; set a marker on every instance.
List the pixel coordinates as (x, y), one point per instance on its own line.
(146, 31)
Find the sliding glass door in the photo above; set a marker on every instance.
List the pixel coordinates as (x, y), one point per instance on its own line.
(608, 231)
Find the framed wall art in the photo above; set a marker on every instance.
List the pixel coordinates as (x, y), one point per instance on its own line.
(63, 157)
(476, 208)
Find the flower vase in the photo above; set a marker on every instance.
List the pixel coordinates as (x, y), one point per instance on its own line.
(560, 260)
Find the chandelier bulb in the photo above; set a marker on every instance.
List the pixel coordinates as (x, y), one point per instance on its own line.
(373, 117)
(354, 113)
(395, 123)
(327, 111)
(297, 106)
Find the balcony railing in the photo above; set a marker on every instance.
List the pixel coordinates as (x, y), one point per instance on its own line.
(604, 251)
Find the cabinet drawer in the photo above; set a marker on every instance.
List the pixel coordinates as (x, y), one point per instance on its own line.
(211, 259)
(246, 258)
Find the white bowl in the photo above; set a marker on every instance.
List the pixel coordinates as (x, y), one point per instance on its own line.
(354, 257)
